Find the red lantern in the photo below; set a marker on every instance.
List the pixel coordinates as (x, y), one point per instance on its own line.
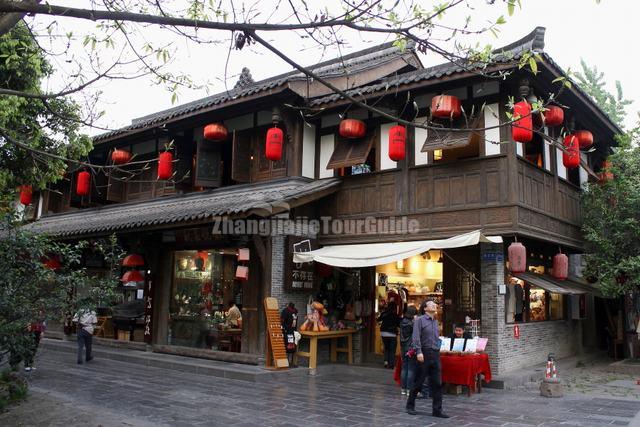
(83, 185)
(560, 266)
(26, 193)
(605, 171)
(52, 263)
(585, 138)
(446, 107)
(397, 138)
(522, 127)
(275, 139)
(132, 276)
(120, 157)
(352, 128)
(165, 165)
(553, 116)
(571, 155)
(133, 260)
(215, 132)
(517, 258)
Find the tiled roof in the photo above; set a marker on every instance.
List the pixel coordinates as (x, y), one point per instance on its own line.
(165, 212)
(533, 41)
(349, 64)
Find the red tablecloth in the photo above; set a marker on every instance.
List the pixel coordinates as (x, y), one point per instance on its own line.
(463, 369)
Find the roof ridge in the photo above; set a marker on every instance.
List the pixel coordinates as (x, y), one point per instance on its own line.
(370, 53)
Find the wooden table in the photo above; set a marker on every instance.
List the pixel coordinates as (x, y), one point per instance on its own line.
(313, 338)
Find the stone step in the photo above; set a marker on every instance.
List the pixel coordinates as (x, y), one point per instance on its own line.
(60, 349)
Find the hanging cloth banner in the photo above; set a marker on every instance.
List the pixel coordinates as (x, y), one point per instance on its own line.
(372, 254)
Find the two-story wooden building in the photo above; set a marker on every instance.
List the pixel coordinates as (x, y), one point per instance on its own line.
(444, 185)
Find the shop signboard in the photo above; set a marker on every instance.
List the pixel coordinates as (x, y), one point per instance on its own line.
(148, 310)
(299, 276)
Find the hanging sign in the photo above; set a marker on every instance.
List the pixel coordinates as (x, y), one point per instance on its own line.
(148, 309)
(299, 277)
(516, 332)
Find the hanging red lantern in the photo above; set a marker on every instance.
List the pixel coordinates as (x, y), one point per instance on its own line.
(553, 115)
(133, 260)
(120, 157)
(132, 276)
(585, 138)
(605, 171)
(165, 165)
(517, 257)
(83, 184)
(275, 140)
(52, 263)
(571, 155)
(397, 141)
(215, 132)
(352, 128)
(522, 127)
(560, 266)
(26, 194)
(446, 107)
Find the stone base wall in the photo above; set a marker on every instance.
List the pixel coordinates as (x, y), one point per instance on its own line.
(537, 340)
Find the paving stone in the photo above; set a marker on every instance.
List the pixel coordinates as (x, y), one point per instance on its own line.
(116, 393)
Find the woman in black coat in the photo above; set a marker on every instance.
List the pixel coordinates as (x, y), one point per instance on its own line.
(389, 332)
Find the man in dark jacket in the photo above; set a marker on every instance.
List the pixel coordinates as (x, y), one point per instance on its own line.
(426, 340)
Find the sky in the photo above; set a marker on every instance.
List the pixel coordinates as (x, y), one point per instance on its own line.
(602, 34)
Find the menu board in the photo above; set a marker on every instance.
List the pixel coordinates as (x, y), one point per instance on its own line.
(299, 276)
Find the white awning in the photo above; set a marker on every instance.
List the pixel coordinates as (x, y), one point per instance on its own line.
(373, 254)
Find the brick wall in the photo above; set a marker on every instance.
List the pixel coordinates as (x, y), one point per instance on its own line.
(537, 340)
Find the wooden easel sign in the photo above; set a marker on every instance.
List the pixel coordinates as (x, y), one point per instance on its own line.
(275, 354)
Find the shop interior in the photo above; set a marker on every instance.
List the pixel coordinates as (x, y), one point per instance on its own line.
(203, 286)
(411, 281)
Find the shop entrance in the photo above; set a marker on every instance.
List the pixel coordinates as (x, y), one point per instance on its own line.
(406, 282)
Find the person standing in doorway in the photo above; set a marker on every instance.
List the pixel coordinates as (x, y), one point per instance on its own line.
(86, 322)
(389, 332)
(426, 340)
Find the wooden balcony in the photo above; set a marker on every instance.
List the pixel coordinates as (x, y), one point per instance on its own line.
(446, 199)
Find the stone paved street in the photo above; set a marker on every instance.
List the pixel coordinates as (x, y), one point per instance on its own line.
(112, 393)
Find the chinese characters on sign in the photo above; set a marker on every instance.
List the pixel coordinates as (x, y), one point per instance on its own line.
(148, 310)
(299, 277)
